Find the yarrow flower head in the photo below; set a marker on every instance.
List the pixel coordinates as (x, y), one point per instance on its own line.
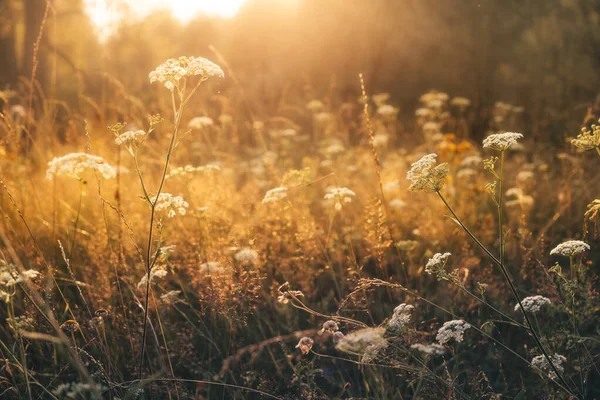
(387, 111)
(173, 70)
(74, 164)
(533, 304)
(274, 195)
(570, 248)
(157, 273)
(246, 256)
(200, 122)
(436, 265)
(454, 329)
(173, 205)
(542, 363)
(130, 138)
(401, 317)
(340, 195)
(501, 141)
(432, 349)
(426, 176)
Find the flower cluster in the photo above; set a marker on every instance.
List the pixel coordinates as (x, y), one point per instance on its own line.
(184, 172)
(74, 164)
(541, 362)
(274, 195)
(460, 102)
(426, 176)
(340, 195)
(285, 294)
(156, 273)
(200, 122)
(401, 317)
(130, 138)
(533, 303)
(437, 264)
(387, 111)
(173, 70)
(246, 256)
(501, 141)
(173, 205)
(570, 248)
(454, 329)
(210, 267)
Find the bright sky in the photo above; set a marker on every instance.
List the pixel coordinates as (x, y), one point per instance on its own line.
(104, 13)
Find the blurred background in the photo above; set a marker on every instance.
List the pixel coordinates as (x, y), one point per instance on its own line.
(540, 55)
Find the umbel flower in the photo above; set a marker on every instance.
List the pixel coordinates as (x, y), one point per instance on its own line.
(173, 205)
(533, 304)
(426, 175)
(501, 141)
(173, 70)
(454, 329)
(570, 248)
(340, 196)
(542, 363)
(200, 122)
(74, 164)
(401, 317)
(436, 265)
(130, 138)
(274, 195)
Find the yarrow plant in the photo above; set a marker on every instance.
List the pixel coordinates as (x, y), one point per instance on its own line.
(501, 141)
(173, 205)
(541, 363)
(274, 195)
(173, 70)
(426, 175)
(401, 317)
(533, 304)
(454, 329)
(75, 164)
(570, 248)
(588, 139)
(432, 349)
(340, 196)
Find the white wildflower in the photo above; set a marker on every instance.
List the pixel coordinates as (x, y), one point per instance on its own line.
(200, 122)
(570, 248)
(533, 304)
(460, 102)
(454, 329)
(171, 297)
(401, 317)
(210, 267)
(423, 112)
(340, 196)
(156, 273)
(173, 70)
(315, 105)
(173, 205)
(541, 362)
(426, 176)
(274, 195)
(74, 164)
(380, 98)
(501, 141)
(387, 111)
(130, 138)
(246, 256)
(380, 140)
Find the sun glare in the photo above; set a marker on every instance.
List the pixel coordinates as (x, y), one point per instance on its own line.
(105, 13)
